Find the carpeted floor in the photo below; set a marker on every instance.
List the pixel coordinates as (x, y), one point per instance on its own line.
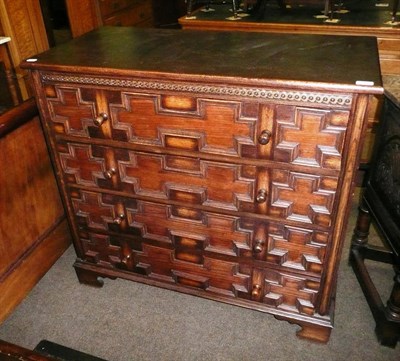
(126, 321)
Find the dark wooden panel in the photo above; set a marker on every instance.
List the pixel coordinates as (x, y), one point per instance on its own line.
(30, 202)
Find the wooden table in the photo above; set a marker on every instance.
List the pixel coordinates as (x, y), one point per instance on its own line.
(381, 205)
(306, 20)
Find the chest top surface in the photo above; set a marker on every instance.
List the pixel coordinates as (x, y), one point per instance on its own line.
(253, 57)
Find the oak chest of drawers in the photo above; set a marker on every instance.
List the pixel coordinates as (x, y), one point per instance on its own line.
(216, 164)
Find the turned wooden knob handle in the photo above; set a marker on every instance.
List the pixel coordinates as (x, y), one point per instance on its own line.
(261, 196)
(258, 246)
(109, 173)
(256, 292)
(127, 258)
(100, 119)
(264, 137)
(120, 217)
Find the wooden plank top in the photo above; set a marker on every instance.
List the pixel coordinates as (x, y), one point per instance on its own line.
(318, 60)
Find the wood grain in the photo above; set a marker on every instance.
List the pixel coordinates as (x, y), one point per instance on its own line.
(32, 222)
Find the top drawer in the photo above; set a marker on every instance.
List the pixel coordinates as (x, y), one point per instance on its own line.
(300, 133)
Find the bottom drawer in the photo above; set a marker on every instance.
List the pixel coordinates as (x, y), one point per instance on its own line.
(272, 288)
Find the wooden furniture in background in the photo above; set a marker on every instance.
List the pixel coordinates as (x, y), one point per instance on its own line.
(21, 20)
(185, 169)
(126, 13)
(33, 227)
(381, 204)
(87, 15)
(388, 36)
(395, 10)
(24, 23)
(9, 94)
(167, 12)
(83, 16)
(192, 3)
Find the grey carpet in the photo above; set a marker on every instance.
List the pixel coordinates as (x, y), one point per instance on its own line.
(126, 321)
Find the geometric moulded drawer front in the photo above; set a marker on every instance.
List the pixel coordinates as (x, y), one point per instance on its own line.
(163, 177)
(301, 197)
(284, 194)
(285, 246)
(194, 234)
(222, 277)
(290, 292)
(310, 137)
(294, 134)
(161, 263)
(155, 120)
(273, 288)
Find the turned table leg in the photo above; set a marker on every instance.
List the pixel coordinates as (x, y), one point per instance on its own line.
(388, 329)
(361, 231)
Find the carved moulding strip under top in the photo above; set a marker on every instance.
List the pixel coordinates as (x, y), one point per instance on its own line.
(246, 92)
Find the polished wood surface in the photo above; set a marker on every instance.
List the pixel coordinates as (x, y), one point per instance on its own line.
(28, 194)
(222, 181)
(83, 16)
(303, 21)
(184, 54)
(17, 116)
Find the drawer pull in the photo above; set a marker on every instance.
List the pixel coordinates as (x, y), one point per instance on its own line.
(109, 173)
(100, 119)
(120, 217)
(261, 196)
(258, 246)
(264, 137)
(256, 292)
